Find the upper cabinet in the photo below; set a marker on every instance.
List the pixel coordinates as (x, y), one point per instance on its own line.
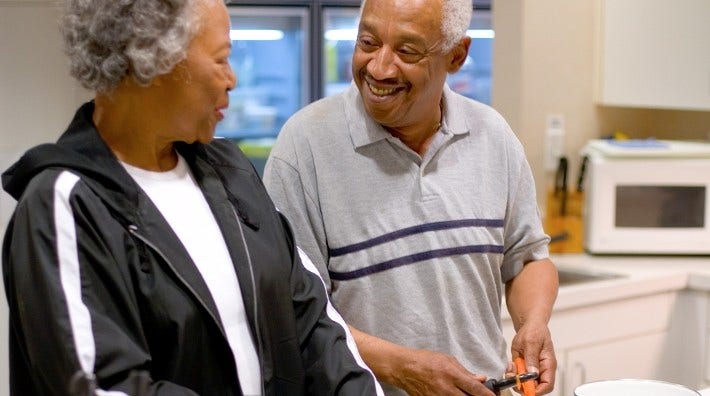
(654, 54)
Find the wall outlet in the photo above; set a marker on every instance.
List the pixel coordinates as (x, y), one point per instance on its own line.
(554, 141)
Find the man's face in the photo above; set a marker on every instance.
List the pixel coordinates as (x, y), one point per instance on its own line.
(398, 65)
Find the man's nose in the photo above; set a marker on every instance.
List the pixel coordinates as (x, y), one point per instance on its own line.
(231, 79)
(382, 65)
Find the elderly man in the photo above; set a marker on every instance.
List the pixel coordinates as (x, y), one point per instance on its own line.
(418, 206)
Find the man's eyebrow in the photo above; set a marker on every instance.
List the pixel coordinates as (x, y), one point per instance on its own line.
(364, 25)
(402, 36)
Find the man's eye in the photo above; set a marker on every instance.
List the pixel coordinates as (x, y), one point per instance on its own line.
(367, 44)
(408, 50)
(409, 55)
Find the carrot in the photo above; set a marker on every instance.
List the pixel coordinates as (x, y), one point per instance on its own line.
(528, 386)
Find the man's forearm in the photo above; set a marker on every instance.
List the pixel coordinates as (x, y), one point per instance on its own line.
(382, 356)
(532, 293)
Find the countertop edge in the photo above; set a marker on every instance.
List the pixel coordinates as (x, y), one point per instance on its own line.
(638, 276)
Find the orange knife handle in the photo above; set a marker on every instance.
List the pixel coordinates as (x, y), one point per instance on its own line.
(528, 386)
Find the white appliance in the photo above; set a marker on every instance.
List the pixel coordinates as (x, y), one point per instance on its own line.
(647, 197)
(633, 387)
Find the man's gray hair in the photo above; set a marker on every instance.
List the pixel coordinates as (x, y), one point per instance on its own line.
(456, 17)
(107, 40)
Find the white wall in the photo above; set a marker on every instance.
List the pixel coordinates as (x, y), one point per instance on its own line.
(37, 101)
(38, 96)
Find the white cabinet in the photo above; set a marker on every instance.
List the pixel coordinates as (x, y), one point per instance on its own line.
(705, 348)
(640, 356)
(654, 54)
(622, 339)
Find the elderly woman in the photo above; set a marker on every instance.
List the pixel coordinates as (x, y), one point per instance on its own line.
(144, 256)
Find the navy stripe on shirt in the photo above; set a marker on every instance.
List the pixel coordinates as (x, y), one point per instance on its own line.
(417, 229)
(413, 258)
(416, 257)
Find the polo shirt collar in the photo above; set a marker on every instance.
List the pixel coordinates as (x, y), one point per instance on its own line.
(364, 130)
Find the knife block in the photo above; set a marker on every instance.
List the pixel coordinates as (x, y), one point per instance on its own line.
(565, 230)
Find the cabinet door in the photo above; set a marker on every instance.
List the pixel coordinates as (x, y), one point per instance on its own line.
(636, 357)
(655, 53)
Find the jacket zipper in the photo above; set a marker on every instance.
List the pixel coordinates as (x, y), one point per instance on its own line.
(254, 297)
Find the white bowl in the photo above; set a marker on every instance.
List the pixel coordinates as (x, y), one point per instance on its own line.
(633, 387)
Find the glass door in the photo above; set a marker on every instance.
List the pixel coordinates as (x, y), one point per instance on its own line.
(270, 60)
(340, 32)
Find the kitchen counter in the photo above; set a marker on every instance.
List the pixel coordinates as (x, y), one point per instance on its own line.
(673, 288)
(636, 276)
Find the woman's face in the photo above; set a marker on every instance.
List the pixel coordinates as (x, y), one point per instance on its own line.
(196, 90)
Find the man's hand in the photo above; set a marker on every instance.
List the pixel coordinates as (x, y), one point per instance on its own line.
(533, 342)
(417, 371)
(427, 373)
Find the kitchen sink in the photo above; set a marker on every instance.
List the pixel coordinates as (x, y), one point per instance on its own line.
(573, 276)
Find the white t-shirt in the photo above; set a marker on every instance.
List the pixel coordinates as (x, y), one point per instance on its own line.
(181, 202)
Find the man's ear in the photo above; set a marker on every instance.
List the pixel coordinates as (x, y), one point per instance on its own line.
(459, 54)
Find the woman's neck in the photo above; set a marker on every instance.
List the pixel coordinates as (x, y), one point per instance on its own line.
(131, 132)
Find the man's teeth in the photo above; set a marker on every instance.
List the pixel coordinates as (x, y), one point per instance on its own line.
(382, 92)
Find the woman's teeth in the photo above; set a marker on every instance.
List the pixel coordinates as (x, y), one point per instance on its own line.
(381, 92)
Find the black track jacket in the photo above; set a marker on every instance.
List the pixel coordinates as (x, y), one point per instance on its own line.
(97, 282)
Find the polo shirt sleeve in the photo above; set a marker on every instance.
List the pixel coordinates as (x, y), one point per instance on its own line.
(525, 239)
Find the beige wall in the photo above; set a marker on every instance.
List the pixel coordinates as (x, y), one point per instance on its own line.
(37, 100)
(543, 61)
(38, 97)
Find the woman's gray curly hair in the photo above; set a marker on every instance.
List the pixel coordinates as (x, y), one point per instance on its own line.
(107, 40)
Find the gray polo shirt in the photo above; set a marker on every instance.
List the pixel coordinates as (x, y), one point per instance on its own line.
(414, 249)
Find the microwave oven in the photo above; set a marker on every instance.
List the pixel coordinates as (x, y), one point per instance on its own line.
(647, 197)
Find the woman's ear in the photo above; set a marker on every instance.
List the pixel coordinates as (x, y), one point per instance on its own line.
(459, 54)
